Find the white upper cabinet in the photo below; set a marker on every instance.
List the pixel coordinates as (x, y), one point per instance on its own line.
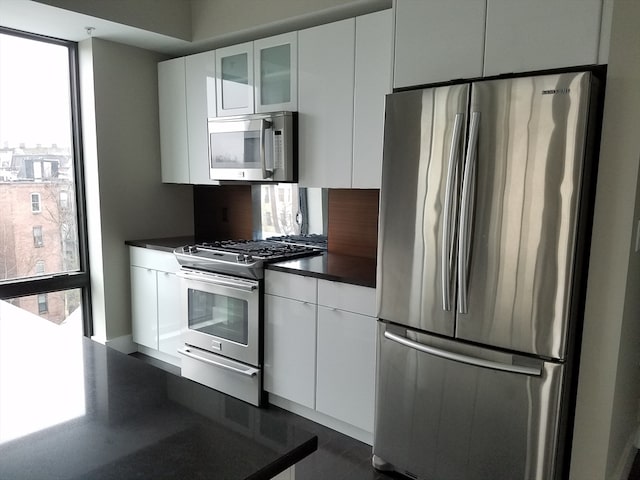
(276, 73)
(438, 40)
(174, 150)
(258, 76)
(325, 104)
(374, 40)
(201, 104)
(187, 94)
(524, 36)
(234, 80)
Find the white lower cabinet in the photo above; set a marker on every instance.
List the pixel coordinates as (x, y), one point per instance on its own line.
(155, 303)
(144, 313)
(320, 350)
(346, 361)
(290, 349)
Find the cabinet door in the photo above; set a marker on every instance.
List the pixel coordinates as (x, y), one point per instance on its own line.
(276, 73)
(144, 307)
(290, 349)
(372, 83)
(325, 104)
(438, 40)
(524, 36)
(174, 150)
(169, 313)
(234, 79)
(201, 104)
(346, 366)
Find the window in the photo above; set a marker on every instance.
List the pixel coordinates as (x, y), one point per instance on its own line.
(37, 237)
(35, 203)
(64, 200)
(43, 306)
(40, 160)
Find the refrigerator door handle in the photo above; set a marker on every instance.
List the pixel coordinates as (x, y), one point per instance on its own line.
(467, 212)
(449, 208)
(458, 357)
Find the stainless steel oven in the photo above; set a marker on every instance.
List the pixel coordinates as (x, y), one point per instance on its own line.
(222, 332)
(222, 298)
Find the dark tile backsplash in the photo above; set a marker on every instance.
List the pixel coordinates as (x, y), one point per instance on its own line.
(222, 213)
(353, 222)
(225, 213)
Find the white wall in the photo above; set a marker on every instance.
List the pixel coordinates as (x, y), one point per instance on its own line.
(125, 197)
(609, 380)
(167, 17)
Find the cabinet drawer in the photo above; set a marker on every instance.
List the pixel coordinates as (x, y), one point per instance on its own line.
(153, 259)
(343, 296)
(291, 286)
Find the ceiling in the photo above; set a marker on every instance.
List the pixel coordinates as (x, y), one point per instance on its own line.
(55, 22)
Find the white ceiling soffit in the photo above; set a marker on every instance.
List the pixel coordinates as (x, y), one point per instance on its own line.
(64, 24)
(35, 17)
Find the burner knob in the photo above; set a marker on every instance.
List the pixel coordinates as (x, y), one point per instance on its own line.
(248, 259)
(193, 249)
(240, 257)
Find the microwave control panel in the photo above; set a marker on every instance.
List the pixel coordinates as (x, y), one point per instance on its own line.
(278, 149)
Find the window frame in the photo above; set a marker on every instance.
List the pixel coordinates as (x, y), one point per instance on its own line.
(38, 236)
(65, 280)
(33, 195)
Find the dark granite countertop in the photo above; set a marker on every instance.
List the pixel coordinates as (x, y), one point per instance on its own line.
(75, 409)
(332, 266)
(328, 266)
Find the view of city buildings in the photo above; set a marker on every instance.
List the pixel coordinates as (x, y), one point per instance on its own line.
(38, 224)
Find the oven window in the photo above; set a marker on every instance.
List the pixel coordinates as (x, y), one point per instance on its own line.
(219, 315)
(235, 149)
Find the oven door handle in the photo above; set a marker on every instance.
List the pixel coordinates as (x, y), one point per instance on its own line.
(249, 371)
(214, 279)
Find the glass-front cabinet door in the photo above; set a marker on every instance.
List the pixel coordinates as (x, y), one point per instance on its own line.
(276, 73)
(234, 79)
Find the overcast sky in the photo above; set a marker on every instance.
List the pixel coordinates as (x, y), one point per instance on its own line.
(34, 93)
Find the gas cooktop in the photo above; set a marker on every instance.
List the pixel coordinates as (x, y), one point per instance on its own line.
(243, 258)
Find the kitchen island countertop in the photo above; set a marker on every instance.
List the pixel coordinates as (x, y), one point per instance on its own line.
(75, 409)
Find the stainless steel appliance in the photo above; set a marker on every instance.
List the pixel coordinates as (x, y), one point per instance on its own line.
(484, 216)
(258, 147)
(222, 303)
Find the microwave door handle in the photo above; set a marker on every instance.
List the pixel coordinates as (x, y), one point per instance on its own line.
(264, 124)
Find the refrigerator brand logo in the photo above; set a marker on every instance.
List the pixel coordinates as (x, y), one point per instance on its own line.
(556, 91)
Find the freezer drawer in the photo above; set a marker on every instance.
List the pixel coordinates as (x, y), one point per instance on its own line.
(448, 411)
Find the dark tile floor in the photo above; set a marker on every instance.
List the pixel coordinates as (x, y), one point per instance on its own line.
(339, 457)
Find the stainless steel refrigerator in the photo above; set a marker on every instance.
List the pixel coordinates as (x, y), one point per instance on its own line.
(484, 223)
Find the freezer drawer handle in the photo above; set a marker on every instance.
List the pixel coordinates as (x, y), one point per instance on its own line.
(249, 372)
(450, 207)
(457, 357)
(466, 213)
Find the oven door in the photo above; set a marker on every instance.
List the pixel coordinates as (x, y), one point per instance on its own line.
(222, 315)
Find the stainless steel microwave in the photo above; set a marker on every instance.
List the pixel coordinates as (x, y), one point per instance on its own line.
(258, 148)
